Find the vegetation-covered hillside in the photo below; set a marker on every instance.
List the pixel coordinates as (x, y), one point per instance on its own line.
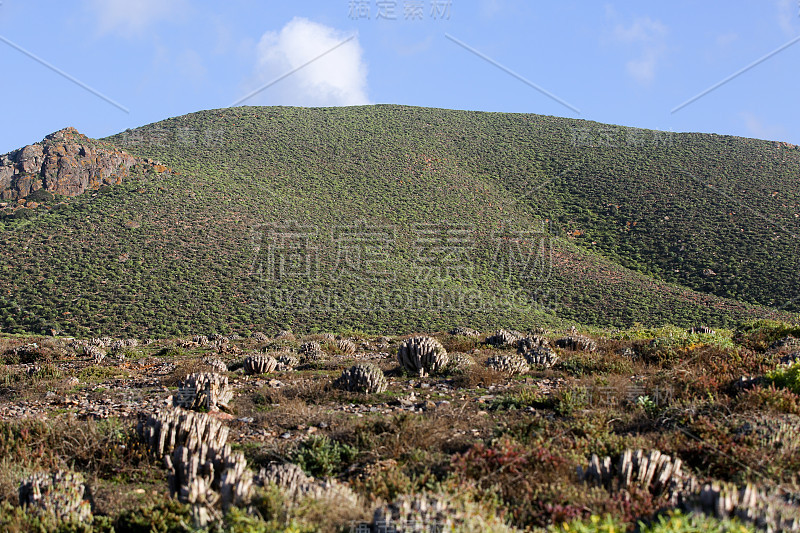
(390, 218)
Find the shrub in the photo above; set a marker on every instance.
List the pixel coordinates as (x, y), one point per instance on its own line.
(786, 377)
(320, 456)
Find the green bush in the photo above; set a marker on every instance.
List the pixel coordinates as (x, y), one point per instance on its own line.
(322, 456)
(786, 377)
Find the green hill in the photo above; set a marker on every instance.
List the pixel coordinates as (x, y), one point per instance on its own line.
(392, 218)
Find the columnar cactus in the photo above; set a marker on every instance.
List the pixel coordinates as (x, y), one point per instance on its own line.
(217, 364)
(540, 356)
(203, 470)
(260, 337)
(346, 346)
(434, 512)
(422, 356)
(363, 377)
(163, 431)
(203, 390)
(508, 363)
(297, 485)
(259, 364)
(653, 471)
(59, 493)
(311, 351)
(97, 354)
(503, 338)
(200, 340)
(529, 342)
(749, 504)
(287, 360)
(464, 332)
(705, 330)
(286, 335)
(459, 362)
(578, 343)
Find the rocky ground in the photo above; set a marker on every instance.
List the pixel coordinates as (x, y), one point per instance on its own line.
(534, 407)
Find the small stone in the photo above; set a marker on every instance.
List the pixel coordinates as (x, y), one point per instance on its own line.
(286, 435)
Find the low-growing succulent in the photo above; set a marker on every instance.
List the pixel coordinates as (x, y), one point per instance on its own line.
(259, 364)
(508, 363)
(59, 493)
(421, 356)
(362, 377)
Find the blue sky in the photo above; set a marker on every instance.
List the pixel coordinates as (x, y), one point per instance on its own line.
(628, 63)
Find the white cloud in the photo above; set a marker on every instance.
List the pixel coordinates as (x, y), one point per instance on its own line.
(649, 38)
(339, 77)
(726, 39)
(759, 129)
(130, 17)
(788, 16)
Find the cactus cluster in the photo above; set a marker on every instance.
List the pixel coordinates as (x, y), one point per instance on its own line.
(662, 476)
(59, 493)
(203, 390)
(97, 354)
(123, 343)
(540, 356)
(204, 471)
(459, 363)
(749, 504)
(577, 343)
(362, 377)
(259, 337)
(200, 340)
(705, 330)
(285, 335)
(421, 356)
(102, 342)
(297, 485)
(287, 360)
(346, 346)
(259, 364)
(503, 338)
(778, 433)
(217, 364)
(311, 351)
(788, 341)
(434, 512)
(508, 363)
(464, 332)
(653, 471)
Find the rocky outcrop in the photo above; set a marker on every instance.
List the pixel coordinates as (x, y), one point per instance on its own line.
(65, 163)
